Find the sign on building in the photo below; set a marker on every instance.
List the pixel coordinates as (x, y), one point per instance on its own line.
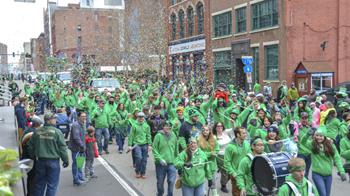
(187, 47)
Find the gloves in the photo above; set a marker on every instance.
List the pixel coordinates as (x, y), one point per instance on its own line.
(188, 165)
(162, 162)
(65, 164)
(343, 177)
(210, 183)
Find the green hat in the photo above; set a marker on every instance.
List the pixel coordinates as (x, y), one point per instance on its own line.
(168, 124)
(235, 111)
(192, 113)
(322, 130)
(342, 93)
(344, 105)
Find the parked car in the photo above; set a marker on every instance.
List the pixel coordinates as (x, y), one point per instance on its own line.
(105, 83)
(65, 77)
(330, 93)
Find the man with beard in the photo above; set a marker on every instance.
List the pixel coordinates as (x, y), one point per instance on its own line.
(156, 121)
(190, 128)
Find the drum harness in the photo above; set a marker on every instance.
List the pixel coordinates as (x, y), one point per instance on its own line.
(296, 191)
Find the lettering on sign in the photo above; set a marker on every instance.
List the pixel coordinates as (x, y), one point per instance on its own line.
(187, 47)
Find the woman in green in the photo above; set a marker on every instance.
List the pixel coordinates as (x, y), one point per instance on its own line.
(323, 156)
(119, 119)
(209, 145)
(193, 164)
(345, 148)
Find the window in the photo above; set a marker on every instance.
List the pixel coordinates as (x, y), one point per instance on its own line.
(173, 26)
(271, 62)
(200, 17)
(222, 59)
(241, 20)
(113, 2)
(182, 24)
(190, 22)
(222, 24)
(255, 54)
(322, 81)
(265, 14)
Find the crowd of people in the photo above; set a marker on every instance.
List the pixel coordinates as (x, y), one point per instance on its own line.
(195, 133)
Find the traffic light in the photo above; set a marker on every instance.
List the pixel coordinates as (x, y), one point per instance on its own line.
(13, 54)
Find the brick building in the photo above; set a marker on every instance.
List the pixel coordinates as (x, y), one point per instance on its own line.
(281, 35)
(189, 50)
(38, 52)
(3, 58)
(79, 32)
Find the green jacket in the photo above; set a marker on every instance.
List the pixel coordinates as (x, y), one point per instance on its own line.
(234, 153)
(241, 118)
(302, 187)
(110, 107)
(165, 147)
(140, 134)
(48, 142)
(244, 178)
(302, 144)
(345, 149)
(297, 118)
(283, 127)
(293, 94)
(88, 104)
(197, 174)
(323, 164)
(333, 127)
(100, 117)
(119, 119)
(70, 100)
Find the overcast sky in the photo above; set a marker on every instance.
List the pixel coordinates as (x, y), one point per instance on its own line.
(22, 21)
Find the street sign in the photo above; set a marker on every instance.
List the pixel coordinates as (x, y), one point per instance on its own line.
(248, 69)
(249, 78)
(247, 60)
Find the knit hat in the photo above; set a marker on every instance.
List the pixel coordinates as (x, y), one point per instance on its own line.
(180, 109)
(90, 129)
(304, 114)
(48, 116)
(140, 114)
(192, 113)
(273, 128)
(37, 120)
(302, 99)
(167, 124)
(322, 130)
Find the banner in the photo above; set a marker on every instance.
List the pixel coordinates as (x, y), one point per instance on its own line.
(187, 47)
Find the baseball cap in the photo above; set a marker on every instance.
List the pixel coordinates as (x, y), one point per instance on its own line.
(140, 114)
(48, 116)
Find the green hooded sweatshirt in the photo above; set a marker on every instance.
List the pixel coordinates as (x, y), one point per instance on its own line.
(345, 149)
(140, 134)
(165, 147)
(333, 128)
(70, 100)
(244, 178)
(323, 164)
(302, 144)
(100, 117)
(197, 174)
(302, 187)
(234, 153)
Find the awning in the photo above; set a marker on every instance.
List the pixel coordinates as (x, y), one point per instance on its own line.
(316, 66)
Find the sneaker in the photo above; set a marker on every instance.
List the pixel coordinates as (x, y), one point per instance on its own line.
(79, 183)
(120, 152)
(138, 176)
(93, 176)
(106, 151)
(143, 176)
(224, 189)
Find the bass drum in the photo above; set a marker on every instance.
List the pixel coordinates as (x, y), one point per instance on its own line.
(269, 171)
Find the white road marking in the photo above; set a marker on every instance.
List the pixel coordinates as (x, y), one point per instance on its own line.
(126, 186)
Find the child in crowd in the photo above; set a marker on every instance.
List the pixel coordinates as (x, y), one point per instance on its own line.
(91, 153)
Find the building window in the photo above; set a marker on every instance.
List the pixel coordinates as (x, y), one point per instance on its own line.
(265, 14)
(222, 24)
(255, 54)
(182, 24)
(173, 26)
(321, 81)
(200, 17)
(222, 59)
(271, 62)
(190, 22)
(241, 22)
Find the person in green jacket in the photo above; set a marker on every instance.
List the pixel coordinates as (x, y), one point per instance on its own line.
(100, 119)
(165, 152)
(324, 155)
(245, 178)
(193, 164)
(48, 146)
(209, 145)
(333, 126)
(119, 121)
(234, 153)
(140, 142)
(295, 183)
(302, 107)
(345, 149)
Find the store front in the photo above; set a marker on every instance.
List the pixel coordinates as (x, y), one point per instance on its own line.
(316, 75)
(187, 59)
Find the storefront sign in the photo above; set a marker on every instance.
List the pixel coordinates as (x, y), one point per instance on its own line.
(187, 47)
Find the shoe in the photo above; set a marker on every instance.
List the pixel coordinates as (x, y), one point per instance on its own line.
(106, 151)
(79, 183)
(143, 177)
(93, 176)
(138, 176)
(224, 189)
(120, 152)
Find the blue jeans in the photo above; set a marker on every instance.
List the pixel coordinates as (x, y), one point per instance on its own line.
(168, 171)
(120, 139)
(196, 191)
(77, 173)
(141, 155)
(47, 177)
(323, 184)
(99, 133)
(307, 160)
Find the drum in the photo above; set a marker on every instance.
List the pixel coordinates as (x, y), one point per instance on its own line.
(269, 171)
